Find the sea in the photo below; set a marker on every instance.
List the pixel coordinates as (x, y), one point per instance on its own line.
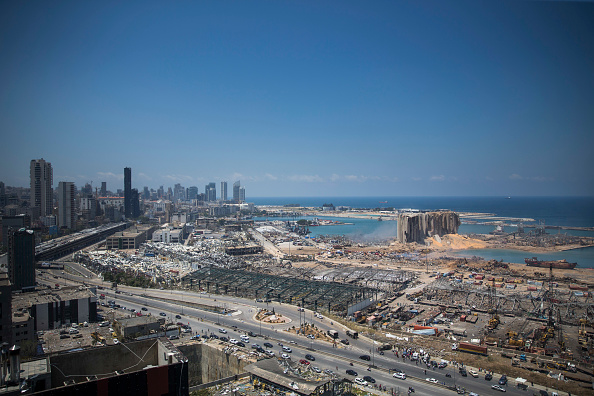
(556, 211)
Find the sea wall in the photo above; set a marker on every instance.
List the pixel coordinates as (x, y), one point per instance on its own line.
(415, 227)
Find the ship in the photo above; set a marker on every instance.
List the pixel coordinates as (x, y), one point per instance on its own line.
(560, 264)
(383, 201)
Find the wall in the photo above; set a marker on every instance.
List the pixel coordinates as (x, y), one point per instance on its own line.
(207, 363)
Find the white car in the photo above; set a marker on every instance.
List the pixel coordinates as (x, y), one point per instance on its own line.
(233, 341)
(287, 349)
(223, 331)
(473, 373)
(316, 369)
(285, 356)
(499, 388)
(401, 376)
(361, 381)
(433, 380)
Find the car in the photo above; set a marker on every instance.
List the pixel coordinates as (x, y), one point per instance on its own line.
(473, 373)
(351, 372)
(223, 331)
(173, 337)
(196, 337)
(497, 387)
(186, 330)
(328, 371)
(401, 376)
(345, 341)
(252, 334)
(213, 335)
(269, 353)
(259, 300)
(432, 380)
(162, 314)
(316, 369)
(473, 394)
(235, 327)
(303, 361)
(365, 357)
(310, 357)
(255, 346)
(285, 356)
(233, 341)
(360, 381)
(287, 349)
(244, 338)
(311, 336)
(241, 344)
(488, 377)
(268, 345)
(144, 309)
(224, 339)
(503, 380)
(177, 316)
(463, 373)
(369, 379)
(442, 365)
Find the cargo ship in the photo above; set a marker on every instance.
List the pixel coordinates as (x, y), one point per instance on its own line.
(560, 264)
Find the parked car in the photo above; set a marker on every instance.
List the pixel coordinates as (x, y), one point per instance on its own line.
(162, 314)
(173, 337)
(223, 331)
(499, 388)
(316, 369)
(310, 357)
(233, 341)
(303, 361)
(360, 381)
(369, 379)
(488, 377)
(144, 309)
(365, 357)
(503, 380)
(285, 356)
(268, 345)
(345, 341)
(473, 373)
(351, 372)
(287, 349)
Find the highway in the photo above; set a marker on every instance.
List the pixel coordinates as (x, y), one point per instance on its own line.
(242, 321)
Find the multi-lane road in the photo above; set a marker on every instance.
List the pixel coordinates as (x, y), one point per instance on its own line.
(242, 320)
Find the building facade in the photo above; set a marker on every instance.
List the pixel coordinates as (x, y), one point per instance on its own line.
(128, 192)
(42, 195)
(223, 191)
(236, 188)
(21, 259)
(66, 209)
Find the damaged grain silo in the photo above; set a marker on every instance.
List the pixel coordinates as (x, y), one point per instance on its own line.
(415, 227)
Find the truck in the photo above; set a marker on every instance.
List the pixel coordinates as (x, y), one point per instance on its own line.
(352, 334)
(333, 333)
(472, 348)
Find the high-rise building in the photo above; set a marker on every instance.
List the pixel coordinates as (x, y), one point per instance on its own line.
(211, 192)
(5, 308)
(223, 191)
(128, 192)
(192, 193)
(241, 194)
(146, 193)
(104, 189)
(135, 203)
(236, 187)
(66, 209)
(42, 195)
(179, 192)
(21, 259)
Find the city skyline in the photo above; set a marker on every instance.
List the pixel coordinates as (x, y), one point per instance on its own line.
(303, 99)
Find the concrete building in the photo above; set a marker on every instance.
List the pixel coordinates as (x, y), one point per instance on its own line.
(130, 238)
(415, 227)
(211, 192)
(21, 259)
(135, 202)
(103, 189)
(223, 191)
(241, 194)
(236, 187)
(5, 308)
(137, 326)
(66, 208)
(23, 327)
(52, 309)
(192, 193)
(42, 195)
(128, 192)
(88, 207)
(109, 371)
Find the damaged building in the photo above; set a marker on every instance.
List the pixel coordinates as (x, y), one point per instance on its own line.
(415, 227)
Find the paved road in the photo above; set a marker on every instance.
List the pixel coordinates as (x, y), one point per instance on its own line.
(328, 357)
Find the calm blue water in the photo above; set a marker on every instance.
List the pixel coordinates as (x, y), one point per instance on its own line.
(568, 211)
(584, 257)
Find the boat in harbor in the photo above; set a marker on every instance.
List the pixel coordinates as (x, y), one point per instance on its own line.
(560, 264)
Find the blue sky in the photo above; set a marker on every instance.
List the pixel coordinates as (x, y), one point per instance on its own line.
(302, 98)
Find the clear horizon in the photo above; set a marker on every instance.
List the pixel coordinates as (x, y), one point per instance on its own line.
(424, 98)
